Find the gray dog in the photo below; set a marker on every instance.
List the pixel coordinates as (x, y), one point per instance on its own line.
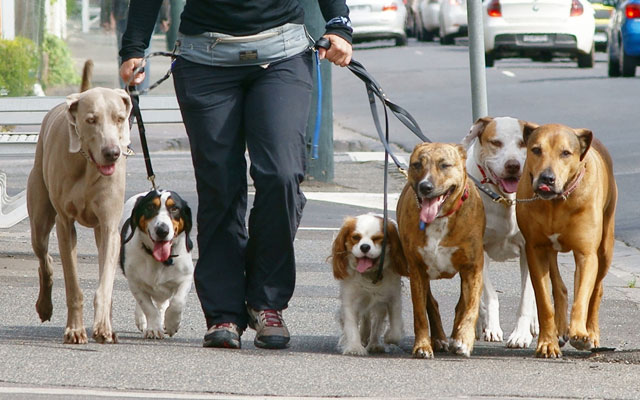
(79, 176)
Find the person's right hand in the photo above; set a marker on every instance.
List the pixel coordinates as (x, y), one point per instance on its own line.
(126, 71)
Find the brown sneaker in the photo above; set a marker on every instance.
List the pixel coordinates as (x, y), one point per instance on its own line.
(225, 335)
(271, 331)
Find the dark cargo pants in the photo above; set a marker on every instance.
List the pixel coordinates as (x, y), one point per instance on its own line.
(225, 110)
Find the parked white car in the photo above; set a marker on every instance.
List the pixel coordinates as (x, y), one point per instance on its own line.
(427, 24)
(452, 18)
(539, 29)
(378, 19)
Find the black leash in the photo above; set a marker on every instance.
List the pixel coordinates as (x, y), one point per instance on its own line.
(137, 114)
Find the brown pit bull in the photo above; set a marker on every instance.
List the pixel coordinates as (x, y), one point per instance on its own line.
(571, 175)
(441, 223)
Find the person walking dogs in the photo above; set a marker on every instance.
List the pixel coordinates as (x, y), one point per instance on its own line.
(243, 79)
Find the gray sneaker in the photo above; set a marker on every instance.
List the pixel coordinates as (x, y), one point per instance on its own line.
(225, 335)
(271, 331)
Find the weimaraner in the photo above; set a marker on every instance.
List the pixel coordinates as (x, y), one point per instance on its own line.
(79, 176)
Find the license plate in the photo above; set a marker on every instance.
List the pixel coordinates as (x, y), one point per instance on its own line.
(600, 37)
(535, 38)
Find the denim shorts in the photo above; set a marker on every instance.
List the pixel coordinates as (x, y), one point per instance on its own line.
(221, 50)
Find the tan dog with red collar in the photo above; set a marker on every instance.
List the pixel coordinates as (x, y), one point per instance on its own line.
(572, 175)
(442, 235)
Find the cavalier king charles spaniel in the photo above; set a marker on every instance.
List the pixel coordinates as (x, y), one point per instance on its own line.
(366, 301)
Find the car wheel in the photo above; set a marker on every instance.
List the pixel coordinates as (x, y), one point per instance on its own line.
(401, 41)
(425, 35)
(613, 63)
(627, 63)
(489, 60)
(586, 60)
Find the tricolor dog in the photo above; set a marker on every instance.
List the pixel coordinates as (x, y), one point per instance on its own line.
(365, 302)
(566, 202)
(78, 176)
(495, 157)
(441, 222)
(155, 257)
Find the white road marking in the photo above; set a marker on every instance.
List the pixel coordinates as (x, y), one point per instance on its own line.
(104, 393)
(509, 74)
(367, 200)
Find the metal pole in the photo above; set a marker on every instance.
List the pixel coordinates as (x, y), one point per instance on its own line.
(476, 60)
(85, 16)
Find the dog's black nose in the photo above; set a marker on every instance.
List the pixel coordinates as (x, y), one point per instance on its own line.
(365, 248)
(512, 167)
(547, 177)
(425, 187)
(162, 231)
(111, 153)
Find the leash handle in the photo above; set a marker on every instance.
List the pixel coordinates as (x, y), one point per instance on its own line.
(135, 113)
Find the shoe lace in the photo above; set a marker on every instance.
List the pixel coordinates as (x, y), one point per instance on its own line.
(271, 317)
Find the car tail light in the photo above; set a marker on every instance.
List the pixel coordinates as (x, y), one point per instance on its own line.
(576, 8)
(632, 11)
(494, 9)
(390, 7)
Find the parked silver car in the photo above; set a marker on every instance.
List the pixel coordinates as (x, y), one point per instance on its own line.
(378, 19)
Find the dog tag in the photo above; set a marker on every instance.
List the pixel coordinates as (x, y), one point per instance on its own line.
(422, 225)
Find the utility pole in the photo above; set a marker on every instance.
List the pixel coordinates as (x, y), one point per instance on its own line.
(476, 60)
(320, 169)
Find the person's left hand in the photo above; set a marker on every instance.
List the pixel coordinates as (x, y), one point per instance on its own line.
(339, 53)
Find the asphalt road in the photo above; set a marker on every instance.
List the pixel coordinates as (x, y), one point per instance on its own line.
(36, 365)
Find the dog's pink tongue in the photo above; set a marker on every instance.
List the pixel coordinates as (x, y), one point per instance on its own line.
(364, 263)
(161, 251)
(429, 210)
(509, 185)
(544, 188)
(107, 169)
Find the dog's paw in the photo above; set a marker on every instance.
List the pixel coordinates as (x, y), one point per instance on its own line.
(459, 348)
(104, 336)
(492, 334)
(153, 334)
(521, 336)
(548, 349)
(75, 336)
(581, 342)
(562, 340)
(354, 350)
(171, 328)
(393, 337)
(422, 352)
(376, 347)
(44, 308)
(440, 345)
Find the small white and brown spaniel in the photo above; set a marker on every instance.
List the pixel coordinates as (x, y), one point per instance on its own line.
(155, 256)
(365, 305)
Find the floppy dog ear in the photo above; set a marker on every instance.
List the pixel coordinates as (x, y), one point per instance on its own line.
(398, 260)
(339, 251)
(72, 112)
(585, 136)
(527, 130)
(188, 224)
(476, 130)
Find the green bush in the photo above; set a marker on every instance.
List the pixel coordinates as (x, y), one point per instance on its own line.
(19, 66)
(60, 67)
